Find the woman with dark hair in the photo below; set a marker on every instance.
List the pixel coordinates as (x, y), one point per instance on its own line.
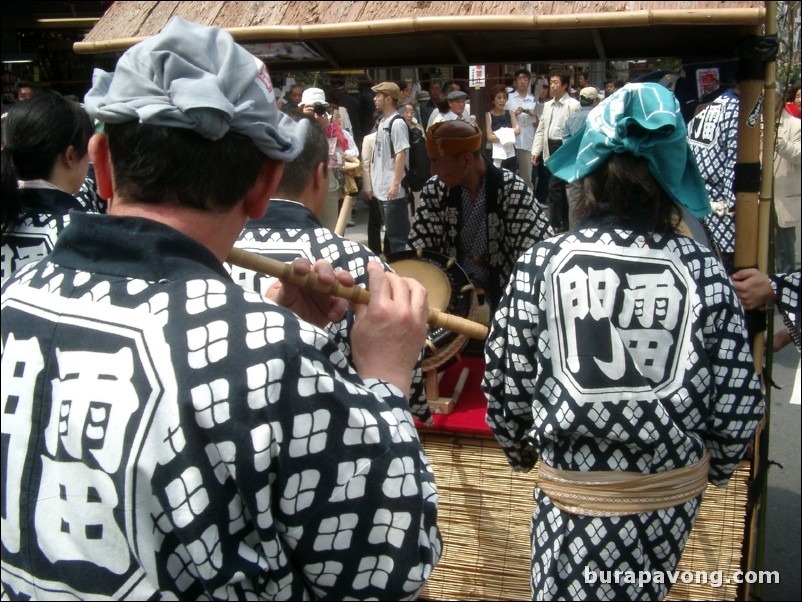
(618, 355)
(499, 118)
(44, 163)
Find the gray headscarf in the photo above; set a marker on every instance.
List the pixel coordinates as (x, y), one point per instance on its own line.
(196, 77)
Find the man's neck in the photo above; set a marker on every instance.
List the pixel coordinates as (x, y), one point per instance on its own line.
(475, 178)
(216, 231)
(308, 198)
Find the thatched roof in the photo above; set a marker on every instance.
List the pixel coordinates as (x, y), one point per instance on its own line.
(375, 34)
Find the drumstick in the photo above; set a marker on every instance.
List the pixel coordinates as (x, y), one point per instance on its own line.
(463, 376)
(356, 294)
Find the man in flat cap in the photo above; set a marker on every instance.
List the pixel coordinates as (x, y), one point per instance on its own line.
(447, 104)
(171, 435)
(456, 105)
(482, 215)
(389, 166)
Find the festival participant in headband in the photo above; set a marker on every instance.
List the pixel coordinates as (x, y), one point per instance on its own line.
(484, 216)
(619, 356)
(291, 228)
(172, 435)
(713, 138)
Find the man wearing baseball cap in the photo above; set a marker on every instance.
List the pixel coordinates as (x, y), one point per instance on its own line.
(173, 435)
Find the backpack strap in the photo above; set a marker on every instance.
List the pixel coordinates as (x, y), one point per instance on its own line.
(389, 129)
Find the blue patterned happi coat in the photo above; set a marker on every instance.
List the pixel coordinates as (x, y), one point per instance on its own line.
(169, 435)
(616, 350)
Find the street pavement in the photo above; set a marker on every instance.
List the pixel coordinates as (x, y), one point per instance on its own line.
(783, 508)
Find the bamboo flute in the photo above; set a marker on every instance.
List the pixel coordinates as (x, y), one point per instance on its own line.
(355, 294)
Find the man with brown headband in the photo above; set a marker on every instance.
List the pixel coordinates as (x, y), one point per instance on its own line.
(480, 214)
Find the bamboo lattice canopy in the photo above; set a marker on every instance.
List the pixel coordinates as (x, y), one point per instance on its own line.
(337, 35)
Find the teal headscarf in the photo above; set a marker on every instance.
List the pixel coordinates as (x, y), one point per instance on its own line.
(645, 121)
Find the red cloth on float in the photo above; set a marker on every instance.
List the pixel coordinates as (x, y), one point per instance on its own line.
(468, 416)
(792, 109)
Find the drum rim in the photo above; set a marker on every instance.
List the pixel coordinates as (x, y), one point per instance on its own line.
(467, 301)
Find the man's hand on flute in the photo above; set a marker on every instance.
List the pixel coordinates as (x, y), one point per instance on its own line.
(389, 332)
(314, 307)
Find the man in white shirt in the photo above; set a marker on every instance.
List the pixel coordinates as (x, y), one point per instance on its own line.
(389, 166)
(522, 103)
(549, 137)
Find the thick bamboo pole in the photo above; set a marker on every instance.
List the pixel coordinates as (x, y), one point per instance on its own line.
(746, 201)
(755, 552)
(750, 186)
(452, 23)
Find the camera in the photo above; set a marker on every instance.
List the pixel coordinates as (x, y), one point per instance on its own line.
(320, 109)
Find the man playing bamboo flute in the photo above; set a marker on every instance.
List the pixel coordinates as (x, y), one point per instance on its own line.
(291, 228)
(170, 435)
(619, 356)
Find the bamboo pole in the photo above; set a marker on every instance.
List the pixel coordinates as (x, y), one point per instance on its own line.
(345, 214)
(452, 23)
(755, 552)
(769, 136)
(746, 203)
(747, 215)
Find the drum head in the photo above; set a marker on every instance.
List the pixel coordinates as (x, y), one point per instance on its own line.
(430, 276)
(443, 278)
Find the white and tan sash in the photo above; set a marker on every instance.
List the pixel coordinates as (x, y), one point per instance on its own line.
(616, 493)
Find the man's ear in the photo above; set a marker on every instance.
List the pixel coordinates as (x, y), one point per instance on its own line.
(257, 198)
(318, 188)
(320, 177)
(101, 161)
